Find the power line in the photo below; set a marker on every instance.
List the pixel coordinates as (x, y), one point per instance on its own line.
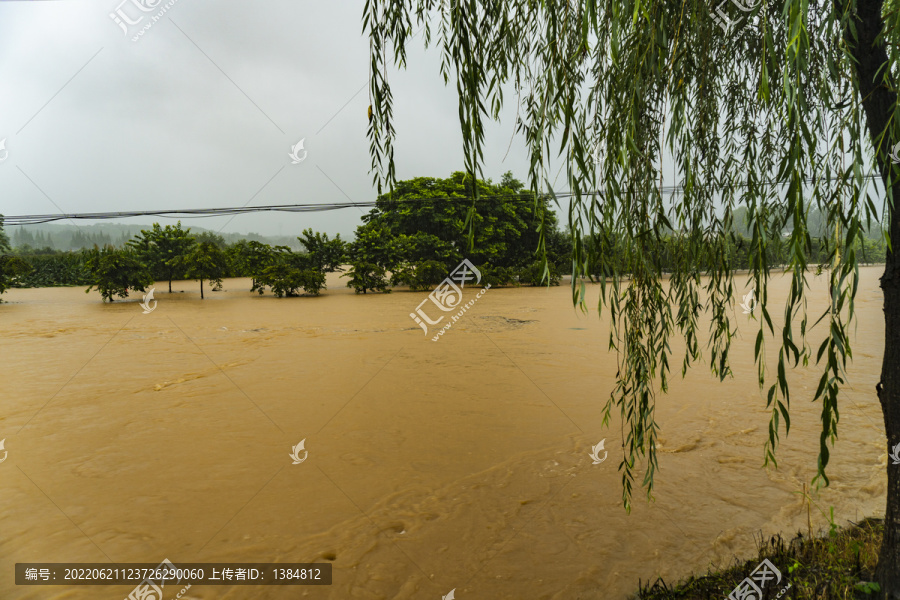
(202, 213)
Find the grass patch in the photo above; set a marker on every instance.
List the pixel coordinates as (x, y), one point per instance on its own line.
(837, 566)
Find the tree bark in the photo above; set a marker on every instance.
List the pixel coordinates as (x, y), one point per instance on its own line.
(201, 289)
(878, 100)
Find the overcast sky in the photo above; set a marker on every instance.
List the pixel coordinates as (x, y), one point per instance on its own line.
(203, 109)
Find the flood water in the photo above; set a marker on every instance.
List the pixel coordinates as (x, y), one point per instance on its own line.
(459, 464)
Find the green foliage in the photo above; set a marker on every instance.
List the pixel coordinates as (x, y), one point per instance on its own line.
(11, 269)
(868, 587)
(497, 276)
(431, 219)
(325, 255)
(4, 239)
(286, 272)
(606, 255)
(426, 226)
(365, 276)
(422, 276)
(206, 260)
(115, 271)
(54, 269)
(163, 250)
(806, 563)
(539, 273)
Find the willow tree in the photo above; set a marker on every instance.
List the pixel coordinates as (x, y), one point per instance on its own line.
(781, 107)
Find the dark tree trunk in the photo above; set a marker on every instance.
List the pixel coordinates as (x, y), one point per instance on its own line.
(888, 572)
(170, 285)
(878, 100)
(201, 289)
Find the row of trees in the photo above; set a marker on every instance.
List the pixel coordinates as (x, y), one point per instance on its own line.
(413, 237)
(172, 253)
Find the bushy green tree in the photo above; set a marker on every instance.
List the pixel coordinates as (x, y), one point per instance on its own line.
(207, 261)
(420, 231)
(325, 255)
(370, 255)
(366, 276)
(778, 107)
(430, 219)
(12, 268)
(421, 276)
(249, 259)
(163, 250)
(114, 271)
(286, 273)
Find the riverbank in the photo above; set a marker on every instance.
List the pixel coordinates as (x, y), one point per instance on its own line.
(837, 565)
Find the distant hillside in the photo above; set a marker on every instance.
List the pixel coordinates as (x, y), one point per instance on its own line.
(70, 237)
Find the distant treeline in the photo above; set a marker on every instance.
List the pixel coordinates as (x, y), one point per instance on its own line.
(48, 239)
(610, 255)
(413, 237)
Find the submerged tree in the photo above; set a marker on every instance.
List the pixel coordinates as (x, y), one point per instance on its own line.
(779, 107)
(114, 271)
(205, 261)
(286, 272)
(162, 249)
(324, 255)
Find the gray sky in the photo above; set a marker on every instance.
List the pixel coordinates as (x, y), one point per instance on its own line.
(203, 109)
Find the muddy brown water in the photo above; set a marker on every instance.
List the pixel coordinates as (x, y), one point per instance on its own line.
(459, 464)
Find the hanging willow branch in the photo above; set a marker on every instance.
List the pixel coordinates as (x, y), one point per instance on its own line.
(770, 99)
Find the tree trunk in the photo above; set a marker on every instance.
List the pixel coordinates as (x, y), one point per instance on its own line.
(170, 285)
(888, 572)
(201, 289)
(878, 100)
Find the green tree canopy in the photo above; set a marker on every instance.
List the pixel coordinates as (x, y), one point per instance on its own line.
(426, 219)
(206, 260)
(324, 255)
(421, 230)
(162, 249)
(11, 269)
(286, 272)
(114, 271)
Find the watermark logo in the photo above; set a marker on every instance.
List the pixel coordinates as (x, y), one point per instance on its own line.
(151, 587)
(447, 296)
(895, 153)
(148, 297)
(5, 451)
(296, 159)
(751, 588)
(4, 153)
(130, 18)
(295, 452)
(895, 454)
(449, 596)
(749, 303)
(595, 452)
(722, 19)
